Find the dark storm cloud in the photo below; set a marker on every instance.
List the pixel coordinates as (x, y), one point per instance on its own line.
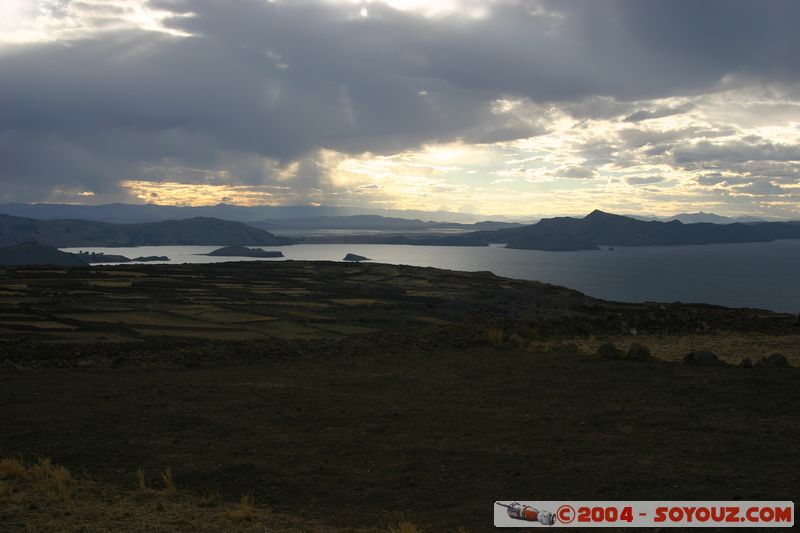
(737, 151)
(283, 80)
(577, 172)
(645, 180)
(761, 187)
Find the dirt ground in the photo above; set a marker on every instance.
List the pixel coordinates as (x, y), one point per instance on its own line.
(353, 440)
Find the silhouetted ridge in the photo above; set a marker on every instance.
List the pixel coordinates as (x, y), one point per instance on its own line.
(190, 231)
(601, 228)
(33, 254)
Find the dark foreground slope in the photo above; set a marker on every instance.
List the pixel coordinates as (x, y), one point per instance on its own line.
(458, 391)
(193, 231)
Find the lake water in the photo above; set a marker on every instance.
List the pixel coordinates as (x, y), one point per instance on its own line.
(761, 275)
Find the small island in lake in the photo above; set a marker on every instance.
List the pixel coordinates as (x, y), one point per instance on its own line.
(356, 258)
(97, 257)
(243, 251)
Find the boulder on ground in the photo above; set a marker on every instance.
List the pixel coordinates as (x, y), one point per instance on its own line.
(609, 351)
(637, 352)
(774, 360)
(702, 358)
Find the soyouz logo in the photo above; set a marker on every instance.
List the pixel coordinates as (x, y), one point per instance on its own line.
(644, 514)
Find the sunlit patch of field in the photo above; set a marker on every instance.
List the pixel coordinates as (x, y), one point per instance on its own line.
(450, 295)
(346, 329)
(286, 329)
(429, 320)
(195, 333)
(14, 286)
(135, 318)
(371, 278)
(275, 290)
(298, 303)
(311, 316)
(6, 317)
(79, 292)
(38, 324)
(109, 283)
(412, 282)
(356, 301)
(4, 293)
(215, 314)
(82, 337)
(128, 296)
(124, 273)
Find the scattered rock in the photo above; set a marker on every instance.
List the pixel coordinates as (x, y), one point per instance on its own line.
(746, 363)
(774, 360)
(356, 258)
(609, 351)
(638, 352)
(702, 358)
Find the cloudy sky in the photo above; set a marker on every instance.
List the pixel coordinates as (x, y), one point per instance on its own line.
(508, 107)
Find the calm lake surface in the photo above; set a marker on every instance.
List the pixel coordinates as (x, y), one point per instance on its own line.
(761, 275)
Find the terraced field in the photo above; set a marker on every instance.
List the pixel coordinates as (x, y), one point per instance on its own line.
(240, 301)
(308, 300)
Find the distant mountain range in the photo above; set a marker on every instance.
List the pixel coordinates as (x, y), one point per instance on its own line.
(303, 216)
(694, 218)
(193, 231)
(555, 234)
(129, 213)
(600, 228)
(376, 222)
